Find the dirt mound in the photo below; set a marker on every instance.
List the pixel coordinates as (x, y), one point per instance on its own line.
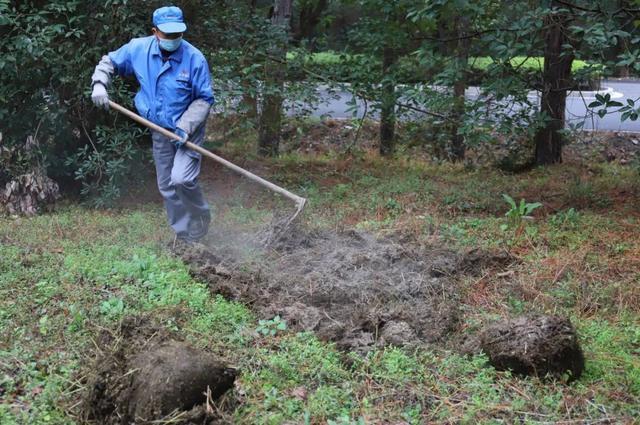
(327, 136)
(143, 375)
(534, 345)
(608, 146)
(349, 287)
(475, 261)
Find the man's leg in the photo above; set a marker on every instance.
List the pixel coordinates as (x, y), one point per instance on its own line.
(164, 153)
(184, 177)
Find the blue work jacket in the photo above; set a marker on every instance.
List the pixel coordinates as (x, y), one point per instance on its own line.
(167, 87)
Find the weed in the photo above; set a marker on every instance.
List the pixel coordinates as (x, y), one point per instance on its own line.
(393, 207)
(272, 326)
(413, 414)
(330, 401)
(346, 420)
(113, 308)
(566, 219)
(619, 248)
(518, 212)
(342, 190)
(453, 232)
(583, 193)
(43, 325)
(580, 264)
(395, 365)
(610, 354)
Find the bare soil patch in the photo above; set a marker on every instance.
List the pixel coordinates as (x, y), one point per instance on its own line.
(349, 287)
(143, 374)
(362, 291)
(605, 146)
(333, 135)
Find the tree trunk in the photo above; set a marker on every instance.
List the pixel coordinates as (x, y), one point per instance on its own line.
(622, 46)
(461, 47)
(271, 115)
(388, 104)
(556, 81)
(310, 12)
(249, 101)
(623, 71)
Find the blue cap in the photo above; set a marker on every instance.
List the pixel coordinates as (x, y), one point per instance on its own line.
(169, 20)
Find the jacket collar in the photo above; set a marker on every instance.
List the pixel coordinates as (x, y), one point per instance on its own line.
(175, 56)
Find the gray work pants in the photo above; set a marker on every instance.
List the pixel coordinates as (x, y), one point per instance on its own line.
(177, 171)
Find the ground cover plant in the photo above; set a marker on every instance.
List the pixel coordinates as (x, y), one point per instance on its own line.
(73, 276)
(467, 254)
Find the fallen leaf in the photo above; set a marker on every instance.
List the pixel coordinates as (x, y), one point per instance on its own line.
(300, 393)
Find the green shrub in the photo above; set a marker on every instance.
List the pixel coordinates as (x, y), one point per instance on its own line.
(342, 65)
(48, 54)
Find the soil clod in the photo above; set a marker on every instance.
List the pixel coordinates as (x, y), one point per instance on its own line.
(145, 377)
(534, 345)
(173, 377)
(475, 261)
(398, 333)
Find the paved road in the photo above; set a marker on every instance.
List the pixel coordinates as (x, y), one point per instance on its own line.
(336, 105)
(620, 91)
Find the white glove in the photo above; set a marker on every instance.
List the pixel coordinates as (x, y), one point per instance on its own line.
(183, 138)
(99, 96)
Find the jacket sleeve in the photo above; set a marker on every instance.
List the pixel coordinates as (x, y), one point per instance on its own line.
(103, 72)
(198, 111)
(118, 62)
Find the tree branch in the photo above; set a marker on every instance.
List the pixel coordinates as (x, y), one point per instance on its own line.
(359, 94)
(465, 37)
(581, 8)
(598, 10)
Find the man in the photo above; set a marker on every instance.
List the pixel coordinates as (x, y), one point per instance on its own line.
(175, 93)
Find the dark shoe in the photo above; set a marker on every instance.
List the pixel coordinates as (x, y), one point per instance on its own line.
(199, 227)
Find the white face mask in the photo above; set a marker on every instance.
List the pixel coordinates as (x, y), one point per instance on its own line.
(170, 45)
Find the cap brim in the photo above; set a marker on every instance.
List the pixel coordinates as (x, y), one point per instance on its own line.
(172, 27)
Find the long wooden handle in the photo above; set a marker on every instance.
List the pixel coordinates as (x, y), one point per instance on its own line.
(300, 202)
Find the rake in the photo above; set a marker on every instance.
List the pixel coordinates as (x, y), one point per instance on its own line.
(299, 201)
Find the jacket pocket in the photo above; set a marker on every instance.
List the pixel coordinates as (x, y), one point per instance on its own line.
(183, 83)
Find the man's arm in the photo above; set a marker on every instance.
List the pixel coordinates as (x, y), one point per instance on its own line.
(103, 72)
(118, 62)
(198, 111)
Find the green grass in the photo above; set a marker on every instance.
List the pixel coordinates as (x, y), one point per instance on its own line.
(482, 63)
(55, 291)
(526, 63)
(64, 276)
